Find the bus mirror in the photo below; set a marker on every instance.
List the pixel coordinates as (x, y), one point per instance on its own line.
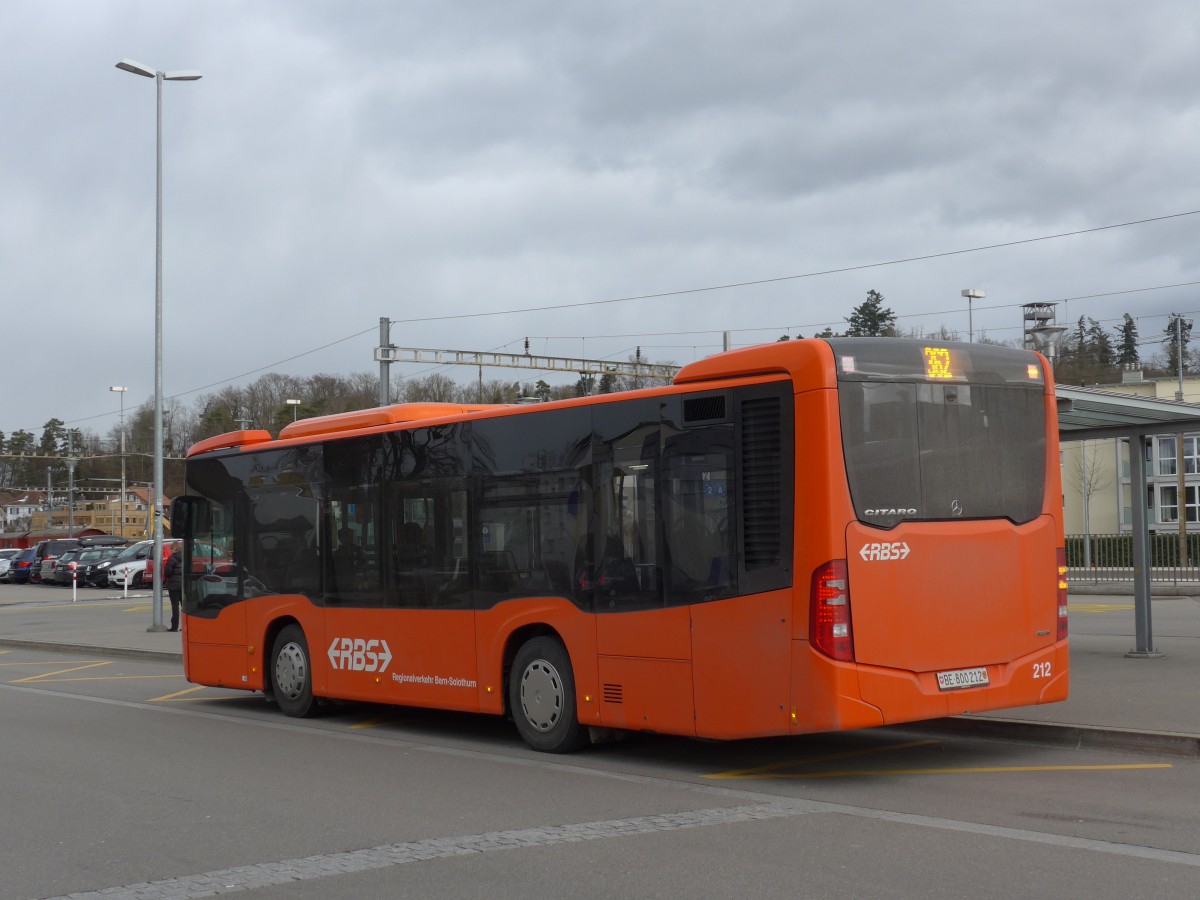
(189, 516)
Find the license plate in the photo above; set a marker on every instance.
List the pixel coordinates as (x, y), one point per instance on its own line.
(962, 678)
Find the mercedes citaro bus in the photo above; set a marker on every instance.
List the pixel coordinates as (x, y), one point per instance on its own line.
(803, 536)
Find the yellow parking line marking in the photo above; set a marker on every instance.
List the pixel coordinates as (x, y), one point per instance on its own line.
(13, 665)
(983, 770)
(376, 722)
(968, 770)
(767, 770)
(108, 678)
(47, 675)
(1098, 607)
(180, 696)
(88, 604)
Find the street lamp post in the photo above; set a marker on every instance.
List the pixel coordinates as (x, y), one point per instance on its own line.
(295, 405)
(121, 391)
(159, 77)
(972, 294)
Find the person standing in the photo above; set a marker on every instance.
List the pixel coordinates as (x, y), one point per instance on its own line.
(173, 582)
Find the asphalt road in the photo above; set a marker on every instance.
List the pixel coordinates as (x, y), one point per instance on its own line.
(118, 776)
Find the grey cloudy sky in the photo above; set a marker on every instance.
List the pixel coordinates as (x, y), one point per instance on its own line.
(343, 161)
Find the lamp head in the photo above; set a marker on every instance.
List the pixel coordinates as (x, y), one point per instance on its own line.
(136, 68)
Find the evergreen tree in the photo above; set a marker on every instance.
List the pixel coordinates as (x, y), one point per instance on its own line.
(1079, 340)
(1172, 342)
(24, 469)
(871, 318)
(1100, 346)
(54, 439)
(1127, 343)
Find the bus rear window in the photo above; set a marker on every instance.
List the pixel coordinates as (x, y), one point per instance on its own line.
(923, 450)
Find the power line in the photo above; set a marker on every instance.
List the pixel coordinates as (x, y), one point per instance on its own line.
(711, 288)
(780, 278)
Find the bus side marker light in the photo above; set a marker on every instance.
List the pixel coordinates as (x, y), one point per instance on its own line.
(1061, 553)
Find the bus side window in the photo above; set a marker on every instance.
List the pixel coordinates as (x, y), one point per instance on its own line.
(699, 512)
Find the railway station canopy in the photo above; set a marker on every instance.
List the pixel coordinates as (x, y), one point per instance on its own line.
(1091, 414)
(1086, 414)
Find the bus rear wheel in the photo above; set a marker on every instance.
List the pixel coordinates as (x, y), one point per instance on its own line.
(541, 696)
(291, 673)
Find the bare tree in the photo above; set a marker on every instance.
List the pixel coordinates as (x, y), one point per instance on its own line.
(1089, 477)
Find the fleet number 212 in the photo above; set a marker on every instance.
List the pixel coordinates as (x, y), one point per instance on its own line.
(1041, 670)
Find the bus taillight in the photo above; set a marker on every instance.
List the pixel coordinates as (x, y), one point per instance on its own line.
(829, 612)
(1062, 593)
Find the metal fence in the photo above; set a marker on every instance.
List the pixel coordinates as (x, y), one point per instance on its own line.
(1109, 557)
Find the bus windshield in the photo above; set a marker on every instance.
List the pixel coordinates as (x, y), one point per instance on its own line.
(956, 431)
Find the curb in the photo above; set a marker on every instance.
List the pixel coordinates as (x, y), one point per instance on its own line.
(91, 650)
(1055, 734)
(1126, 589)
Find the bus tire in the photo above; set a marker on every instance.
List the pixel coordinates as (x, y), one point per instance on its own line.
(291, 673)
(541, 697)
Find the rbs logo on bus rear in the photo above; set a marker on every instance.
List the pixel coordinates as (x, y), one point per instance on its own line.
(882, 551)
(358, 655)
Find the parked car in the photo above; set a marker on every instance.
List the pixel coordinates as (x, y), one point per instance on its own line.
(49, 551)
(130, 563)
(20, 566)
(94, 563)
(6, 557)
(45, 572)
(63, 568)
(200, 551)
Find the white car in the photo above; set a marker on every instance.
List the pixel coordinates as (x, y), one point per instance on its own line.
(6, 555)
(130, 563)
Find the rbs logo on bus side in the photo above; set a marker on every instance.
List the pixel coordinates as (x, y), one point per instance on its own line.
(358, 655)
(883, 551)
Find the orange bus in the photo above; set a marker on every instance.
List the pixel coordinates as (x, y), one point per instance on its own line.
(804, 536)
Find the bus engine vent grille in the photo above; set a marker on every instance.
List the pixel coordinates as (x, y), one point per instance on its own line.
(762, 458)
(614, 693)
(706, 409)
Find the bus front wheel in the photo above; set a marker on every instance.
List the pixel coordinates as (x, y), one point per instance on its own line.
(291, 673)
(541, 696)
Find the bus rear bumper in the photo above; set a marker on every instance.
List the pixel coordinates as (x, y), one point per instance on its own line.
(1037, 678)
(836, 696)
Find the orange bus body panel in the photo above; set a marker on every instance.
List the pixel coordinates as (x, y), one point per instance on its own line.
(214, 650)
(646, 694)
(650, 633)
(433, 661)
(827, 695)
(743, 660)
(964, 594)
